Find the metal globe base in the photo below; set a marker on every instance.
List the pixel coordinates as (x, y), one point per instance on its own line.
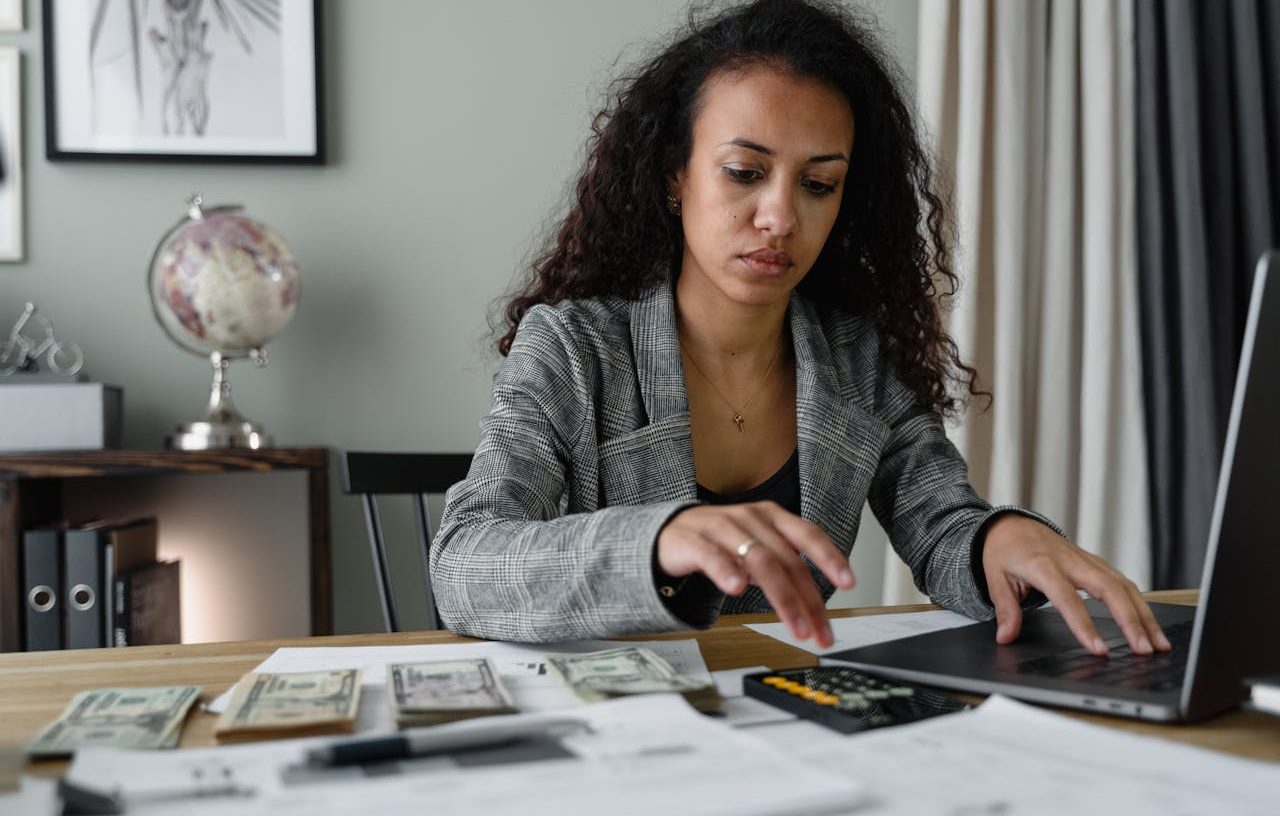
(216, 435)
(223, 426)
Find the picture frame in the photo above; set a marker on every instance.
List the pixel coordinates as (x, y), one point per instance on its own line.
(11, 209)
(11, 15)
(236, 81)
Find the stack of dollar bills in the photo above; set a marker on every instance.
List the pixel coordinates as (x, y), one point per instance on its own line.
(271, 706)
(442, 691)
(596, 676)
(117, 718)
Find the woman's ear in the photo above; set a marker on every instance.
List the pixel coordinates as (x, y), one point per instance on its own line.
(674, 195)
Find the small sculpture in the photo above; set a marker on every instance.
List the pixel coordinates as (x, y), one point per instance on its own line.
(32, 338)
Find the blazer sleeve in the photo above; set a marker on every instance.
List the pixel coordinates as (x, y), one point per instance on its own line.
(935, 519)
(507, 563)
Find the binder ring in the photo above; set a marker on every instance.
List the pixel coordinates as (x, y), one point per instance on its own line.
(41, 598)
(82, 597)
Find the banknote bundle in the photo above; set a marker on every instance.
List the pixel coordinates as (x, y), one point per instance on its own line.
(270, 706)
(595, 676)
(118, 718)
(442, 691)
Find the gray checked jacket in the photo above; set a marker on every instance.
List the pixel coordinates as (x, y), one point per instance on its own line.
(586, 454)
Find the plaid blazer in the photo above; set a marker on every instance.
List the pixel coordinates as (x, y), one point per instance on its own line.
(586, 454)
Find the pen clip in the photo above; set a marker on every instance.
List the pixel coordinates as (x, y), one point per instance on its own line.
(81, 801)
(216, 779)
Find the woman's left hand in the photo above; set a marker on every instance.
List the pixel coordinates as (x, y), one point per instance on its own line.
(1021, 553)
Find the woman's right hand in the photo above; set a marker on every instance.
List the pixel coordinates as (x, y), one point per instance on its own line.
(707, 539)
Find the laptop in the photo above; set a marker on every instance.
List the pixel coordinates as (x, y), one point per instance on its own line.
(1234, 633)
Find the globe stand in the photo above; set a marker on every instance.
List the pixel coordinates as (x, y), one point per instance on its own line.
(223, 425)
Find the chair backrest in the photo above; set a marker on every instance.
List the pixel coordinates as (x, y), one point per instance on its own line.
(413, 474)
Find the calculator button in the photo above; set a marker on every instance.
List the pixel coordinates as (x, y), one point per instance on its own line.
(774, 680)
(876, 694)
(902, 691)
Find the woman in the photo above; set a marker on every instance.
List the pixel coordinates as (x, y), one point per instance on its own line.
(731, 344)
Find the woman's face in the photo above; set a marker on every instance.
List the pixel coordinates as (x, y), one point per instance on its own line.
(762, 187)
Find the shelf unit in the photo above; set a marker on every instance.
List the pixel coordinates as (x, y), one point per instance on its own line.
(31, 494)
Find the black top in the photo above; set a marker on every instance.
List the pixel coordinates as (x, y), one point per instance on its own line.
(782, 487)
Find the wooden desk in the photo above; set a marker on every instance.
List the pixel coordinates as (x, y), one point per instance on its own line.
(34, 688)
(31, 494)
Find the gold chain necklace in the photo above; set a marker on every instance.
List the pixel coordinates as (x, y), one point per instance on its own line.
(738, 418)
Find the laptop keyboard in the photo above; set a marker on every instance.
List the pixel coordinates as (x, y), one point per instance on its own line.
(1160, 671)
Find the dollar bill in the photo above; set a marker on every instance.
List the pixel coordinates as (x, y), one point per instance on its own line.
(442, 691)
(119, 718)
(596, 676)
(266, 705)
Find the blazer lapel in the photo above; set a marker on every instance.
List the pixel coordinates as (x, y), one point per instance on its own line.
(839, 441)
(654, 463)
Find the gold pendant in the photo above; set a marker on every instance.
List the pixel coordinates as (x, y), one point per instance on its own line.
(738, 419)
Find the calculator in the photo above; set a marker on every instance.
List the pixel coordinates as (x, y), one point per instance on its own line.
(847, 700)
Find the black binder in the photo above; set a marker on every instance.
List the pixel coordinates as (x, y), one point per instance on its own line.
(94, 553)
(82, 586)
(42, 587)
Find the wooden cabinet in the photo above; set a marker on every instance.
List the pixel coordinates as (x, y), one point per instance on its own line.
(31, 493)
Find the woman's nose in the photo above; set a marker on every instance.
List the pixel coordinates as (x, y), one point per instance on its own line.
(776, 210)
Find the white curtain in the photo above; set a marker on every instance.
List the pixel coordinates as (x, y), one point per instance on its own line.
(1028, 105)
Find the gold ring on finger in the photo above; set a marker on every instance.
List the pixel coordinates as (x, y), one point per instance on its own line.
(745, 547)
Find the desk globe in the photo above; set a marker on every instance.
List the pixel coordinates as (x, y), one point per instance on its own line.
(222, 285)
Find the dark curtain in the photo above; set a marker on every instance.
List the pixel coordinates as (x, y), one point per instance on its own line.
(1208, 204)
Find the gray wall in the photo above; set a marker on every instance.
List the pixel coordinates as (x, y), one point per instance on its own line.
(454, 128)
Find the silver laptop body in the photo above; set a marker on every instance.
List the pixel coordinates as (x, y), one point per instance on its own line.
(1234, 633)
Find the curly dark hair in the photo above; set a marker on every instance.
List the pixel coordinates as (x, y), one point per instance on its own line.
(888, 247)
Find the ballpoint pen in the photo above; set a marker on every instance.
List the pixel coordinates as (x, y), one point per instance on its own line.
(440, 739)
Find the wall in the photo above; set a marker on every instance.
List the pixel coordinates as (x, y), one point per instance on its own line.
(453, 128)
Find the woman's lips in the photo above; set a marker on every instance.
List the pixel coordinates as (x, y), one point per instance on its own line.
(766, 261)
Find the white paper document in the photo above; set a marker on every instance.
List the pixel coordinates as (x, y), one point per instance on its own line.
(644, 755)
(739, 710)
(520, 666)
(34, 797)
(864, 630)
(1013, 759)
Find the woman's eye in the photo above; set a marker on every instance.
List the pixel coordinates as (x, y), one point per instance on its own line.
(742, 175)
(819, 188)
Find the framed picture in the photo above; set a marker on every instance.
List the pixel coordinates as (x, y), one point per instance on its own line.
(183, 80)
(10, 15)
(10, 155)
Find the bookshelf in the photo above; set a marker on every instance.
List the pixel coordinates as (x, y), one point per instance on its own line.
(31, 486)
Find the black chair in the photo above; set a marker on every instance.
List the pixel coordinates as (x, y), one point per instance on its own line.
(412, 474)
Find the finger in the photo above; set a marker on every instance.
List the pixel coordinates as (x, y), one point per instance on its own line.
(724, 570)
(781, 595)
(798, 573)
(809, 538)
(1008, 611)
(1149, 622)
(1063, 595)
(765, 571)
(1111, 588)
(1148, 619)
